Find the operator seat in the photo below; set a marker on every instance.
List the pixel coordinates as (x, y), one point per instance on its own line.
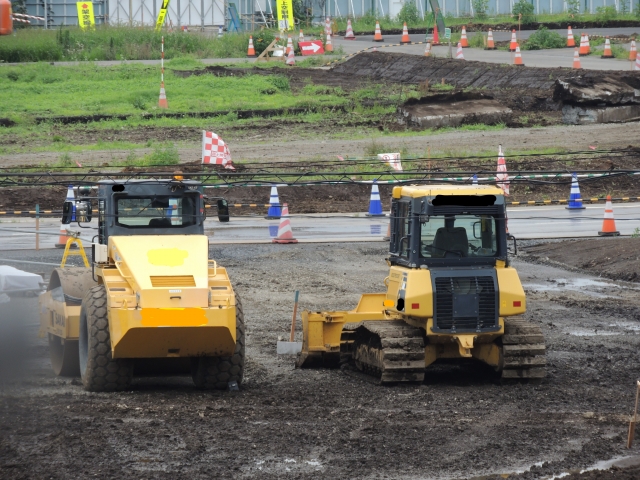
(453, 239)
(160, 223)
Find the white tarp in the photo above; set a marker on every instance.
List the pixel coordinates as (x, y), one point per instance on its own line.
(12, 280)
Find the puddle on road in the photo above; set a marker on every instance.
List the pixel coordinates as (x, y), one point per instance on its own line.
(620, 462)
(587, 286)
(592, 333)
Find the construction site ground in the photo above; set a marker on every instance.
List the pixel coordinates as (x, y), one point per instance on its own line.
(291, 423)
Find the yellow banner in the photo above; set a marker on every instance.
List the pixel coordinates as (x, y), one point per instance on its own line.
(162, 15)
(285, 15)
(85, 15)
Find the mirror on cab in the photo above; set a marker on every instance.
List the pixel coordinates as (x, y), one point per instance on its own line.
(77, 211)
(223, 210)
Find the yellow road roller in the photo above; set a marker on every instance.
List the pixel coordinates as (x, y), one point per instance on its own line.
(451, 294)
(152, 302)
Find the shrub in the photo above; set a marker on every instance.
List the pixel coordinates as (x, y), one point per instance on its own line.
(262, 41)
(477, 40)
(480, 8)
(524, 8)
(544, 38)
(573, 7)
(605, 14)
(280, 82)
(409, 13)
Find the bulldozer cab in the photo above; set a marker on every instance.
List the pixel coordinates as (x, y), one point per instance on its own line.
(447, 226)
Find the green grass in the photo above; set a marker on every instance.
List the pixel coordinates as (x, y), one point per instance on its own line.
(121, 43)
(116, 43)
(166, 154)
(40, 89)
(617, 50)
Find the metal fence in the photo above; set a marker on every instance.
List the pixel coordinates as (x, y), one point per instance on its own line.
(214, 12)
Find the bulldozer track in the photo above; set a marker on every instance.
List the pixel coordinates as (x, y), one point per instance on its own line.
(524, 351)
(392, 351)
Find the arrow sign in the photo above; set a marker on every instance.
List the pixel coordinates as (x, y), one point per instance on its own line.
(311, 48)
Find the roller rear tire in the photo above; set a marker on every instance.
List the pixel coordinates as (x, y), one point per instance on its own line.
(215, 373)
(99, 371)
(64, 356)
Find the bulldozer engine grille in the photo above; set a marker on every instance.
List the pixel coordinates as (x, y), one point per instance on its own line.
(173, 281)
(465, 303)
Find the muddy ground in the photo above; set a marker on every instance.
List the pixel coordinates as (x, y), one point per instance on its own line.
(288, 423)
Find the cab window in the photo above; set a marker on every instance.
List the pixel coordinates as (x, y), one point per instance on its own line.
(458, 236)
(157, 211)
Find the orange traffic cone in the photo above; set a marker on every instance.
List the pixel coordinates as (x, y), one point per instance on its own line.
(349, 35)
(301, 36)
(436, 37)
(584, 50)
(514, 41)
(328, 47)
(633, 53)
(289, 46)
(251, 52)
(571, 42)
(405, 35)
(609, 224)
(162, 101)
(377, 37)
(463, 37)
(64, 236)
(490, 44)
(576, 58)
(427, 50)
(586, 39)
(459, 54)
(291, 58)
(607, 49)
(517, 60)
(285, 234)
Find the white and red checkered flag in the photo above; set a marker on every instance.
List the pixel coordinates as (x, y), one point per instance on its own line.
(503, 178)
(215, 151)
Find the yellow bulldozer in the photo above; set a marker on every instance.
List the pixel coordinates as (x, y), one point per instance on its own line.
(151, 302)
(451, 295)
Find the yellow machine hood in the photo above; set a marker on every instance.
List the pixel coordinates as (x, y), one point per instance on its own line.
(177, 263)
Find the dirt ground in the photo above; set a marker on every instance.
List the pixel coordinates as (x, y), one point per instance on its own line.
(614, 258)
(286, 141)
(291, 423)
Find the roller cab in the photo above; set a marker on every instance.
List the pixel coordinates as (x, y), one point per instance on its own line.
(450, 294)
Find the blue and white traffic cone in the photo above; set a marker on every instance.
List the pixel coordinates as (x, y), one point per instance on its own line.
(474, 180)
(375, 205)
(274, 205)
(575, 201)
